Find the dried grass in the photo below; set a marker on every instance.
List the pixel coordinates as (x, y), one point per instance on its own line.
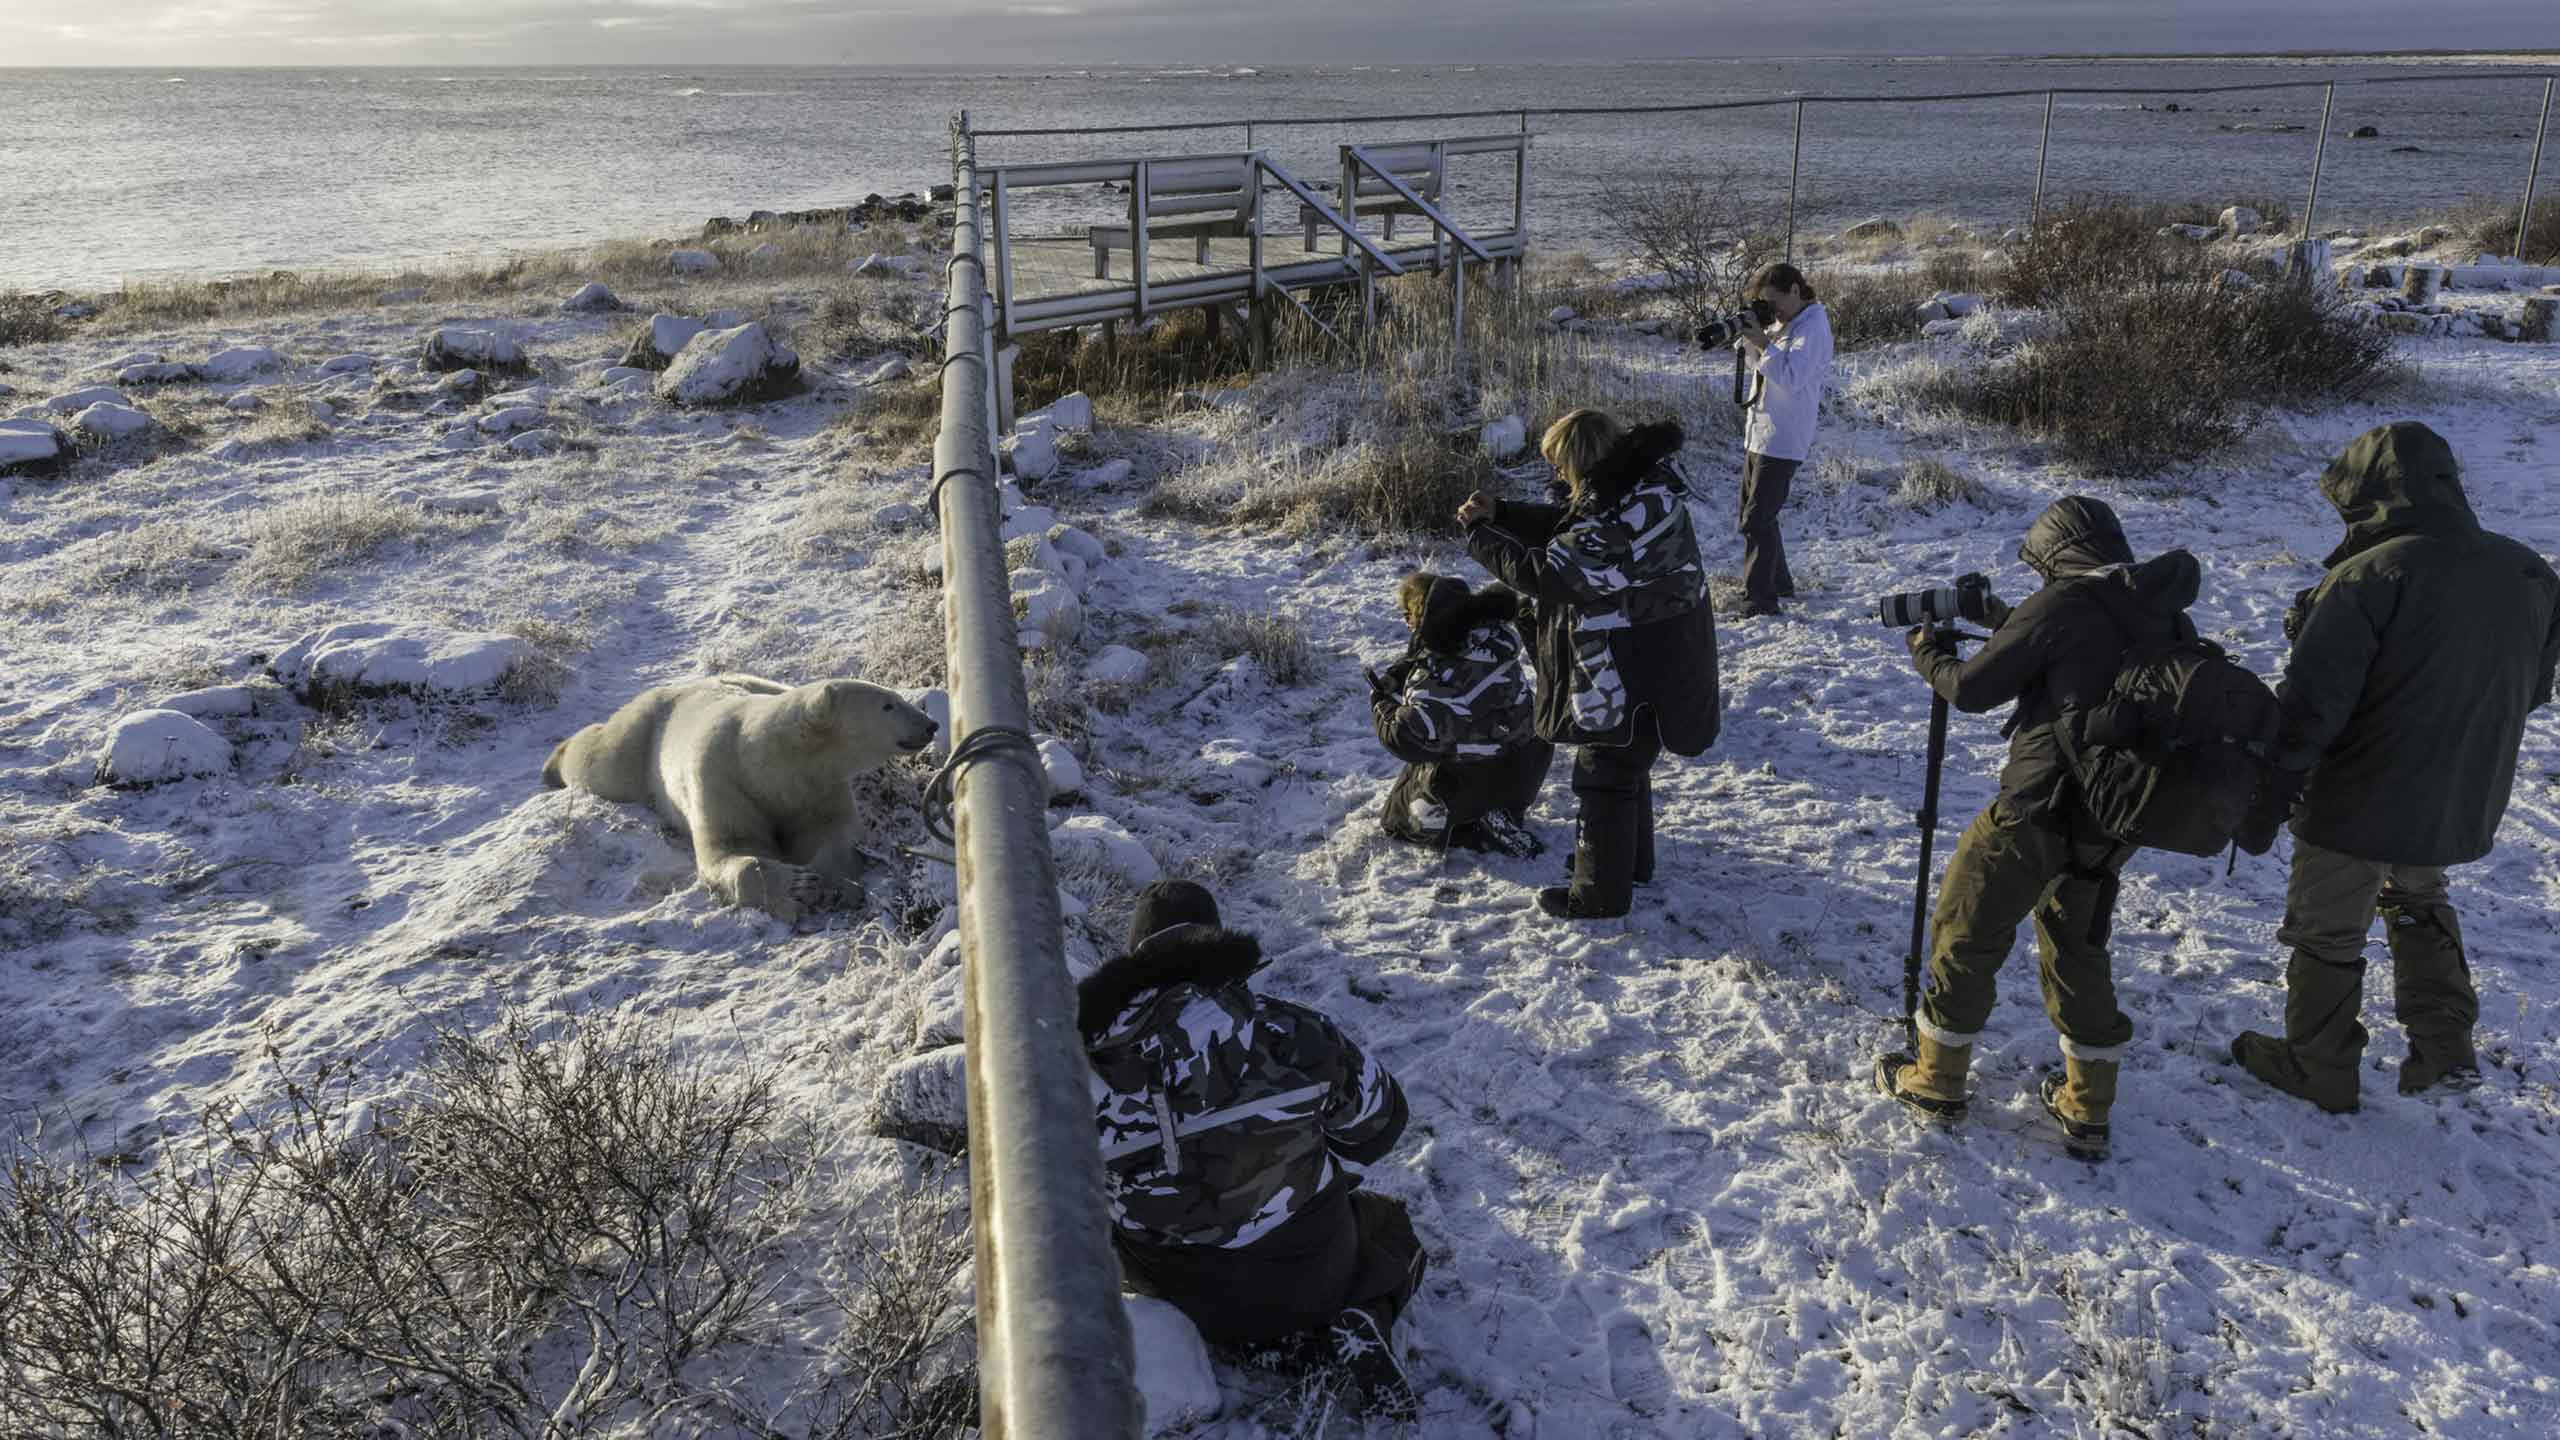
(294, 545)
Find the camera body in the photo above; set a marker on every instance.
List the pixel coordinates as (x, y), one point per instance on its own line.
(1722, 330)
(1967, 599)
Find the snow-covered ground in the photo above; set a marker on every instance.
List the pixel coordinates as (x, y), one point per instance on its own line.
(1659, 1195)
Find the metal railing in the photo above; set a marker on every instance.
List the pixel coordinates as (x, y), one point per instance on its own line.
(1054, 1356)
(2048, 93)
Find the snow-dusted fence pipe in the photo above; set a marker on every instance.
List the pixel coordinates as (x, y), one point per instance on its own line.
(1054, 1357)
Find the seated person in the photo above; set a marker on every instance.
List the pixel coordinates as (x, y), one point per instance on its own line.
(1460, 710)
(1227, 1121)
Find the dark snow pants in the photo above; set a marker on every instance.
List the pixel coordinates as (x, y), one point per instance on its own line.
(1766, 580)
(1349, 1248)
(2007, 869)
(2329, 907)
(1429, 801)
(1613, 850)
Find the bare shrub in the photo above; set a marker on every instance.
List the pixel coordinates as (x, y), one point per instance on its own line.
(294, 545)
(1410, 480)
(571, 525)
(2094, 242)
(28, 320)
(538, 676)
(288, 421)
(1277, 643)
(1930, 483)
(158, 557)
(903, 647)
(902, 417)
(1699, 230)
(1958, 270)
(2490, 226)
(1876, 309)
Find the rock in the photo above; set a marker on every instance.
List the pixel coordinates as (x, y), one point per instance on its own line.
(1931, 312)
(888, 371)
(935, 702)
(1110, 474)
(1878, 228)
(372, 655)
(2197, 233)
(246, 362)
(1031, 520)
(108, 421)
(897, 515)
(1958, 304)
(2241, 220)
(30, 446)
(693, 262)
(1046, 601)
(1064, 771)
(218, 701)
(1941, 328)
(2365, 132)
(1104, 844)
(511, 419)
(462, 383)
(656, 347)
(730, 367)
(462, 347)
(2235, 280)
(725, 319)
(164, 372)
(152, 747)
(1117, 665)
(1068, 414)
(2431, 236)
(125, 362)
(1033, 452)
(2420, 284)
(627, 377)
(925, 1100)
(1176, 1383)
(76, 310)
(72, 402)
(1561, 315)
(535, 442)
(1074, 542)
(1231, 766)
(1504, 438)
(592, 299)
(764, 254)
(410, 296)
(347, 365)
(939, 1020)
(906, 266)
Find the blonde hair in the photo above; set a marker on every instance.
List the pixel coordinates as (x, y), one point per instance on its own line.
(1576, 445)
(1413, 594)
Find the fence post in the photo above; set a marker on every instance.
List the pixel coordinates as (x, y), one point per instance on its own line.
(1053, 1339)
(2533, 173)
(2311, 207)
(1795, 167)
(2044, 146)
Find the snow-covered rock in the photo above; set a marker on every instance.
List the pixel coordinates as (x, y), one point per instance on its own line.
(693, 262)
(1940, 328)
(764, 254)
(2197, 233)
(657, 347)
(464, 347)
(627, 377)
(893, 369)
(1070, 414)
(240, 363)
(158, 372)
(905, 266)
(535, 442)
(151, 747)
(216, 701)
(936, 702)
(72, 402)
(897, 515)
(125, 362)
(1068, 540)
(1033, 520)
(1505, 438)
(1117, 665)
(2241, 220)
(1561, 315)
(727, 367)
(1059, 763)
(347, 365)
(1175, 1381)
(1046, 601)
(109, 421)
(1033, 452)
(1110, 474)
(458, 382)
(512, 419)
(1232, 766)
(1102, 842)
(593, 298)
(1878, 228)
(924, 1100)
(30, 445)
(396, 655)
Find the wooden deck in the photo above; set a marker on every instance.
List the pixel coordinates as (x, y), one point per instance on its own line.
(1053, 285)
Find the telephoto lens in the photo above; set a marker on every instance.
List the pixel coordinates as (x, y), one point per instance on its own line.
(1940, 605)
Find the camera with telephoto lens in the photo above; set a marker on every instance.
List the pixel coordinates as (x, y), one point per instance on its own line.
(1723, 329)
(1967, 599)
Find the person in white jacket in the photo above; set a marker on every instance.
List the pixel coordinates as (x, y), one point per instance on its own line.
(1793, 363)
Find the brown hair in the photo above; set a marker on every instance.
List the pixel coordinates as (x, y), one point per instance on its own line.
(1576, 445)
(1779, 275)
(1413, 594)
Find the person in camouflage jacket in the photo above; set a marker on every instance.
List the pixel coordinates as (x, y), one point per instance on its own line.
(1458, 709)
(1228, 1121)
(1626, 642)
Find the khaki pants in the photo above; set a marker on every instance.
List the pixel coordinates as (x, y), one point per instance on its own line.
(2006, 870)
(2329, 907)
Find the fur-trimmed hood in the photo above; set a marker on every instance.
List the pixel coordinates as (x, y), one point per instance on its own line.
(1451, 614)
(1638, 454)
(1199, 957)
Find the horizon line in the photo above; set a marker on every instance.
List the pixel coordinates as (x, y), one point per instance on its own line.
(2056, 56)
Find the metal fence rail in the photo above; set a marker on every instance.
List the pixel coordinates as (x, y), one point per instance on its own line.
(1054, 1357)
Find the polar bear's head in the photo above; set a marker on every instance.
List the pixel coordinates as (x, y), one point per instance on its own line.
(868, 725)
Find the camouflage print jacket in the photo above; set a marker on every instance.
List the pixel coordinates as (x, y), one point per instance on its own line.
(1623, 621)
(1461, 692)
(1222, 1113)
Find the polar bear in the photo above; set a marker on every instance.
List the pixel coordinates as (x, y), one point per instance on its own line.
(754, 772)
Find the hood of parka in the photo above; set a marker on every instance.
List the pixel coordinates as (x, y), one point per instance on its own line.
(1203, 959)
(1451, 613)
(2147, 597)
(2396, 479)
(2074, 535)
(1633, 460)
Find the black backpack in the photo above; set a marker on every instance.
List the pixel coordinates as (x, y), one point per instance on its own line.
(2179, 755)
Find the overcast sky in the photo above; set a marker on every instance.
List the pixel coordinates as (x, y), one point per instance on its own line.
(674, 32)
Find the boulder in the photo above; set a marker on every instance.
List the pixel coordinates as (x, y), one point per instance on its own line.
(1059, 763)
(1505, 437)
(348, 365)
(888, 371)
(1117, 665)
(592, 299)
(241, 363)
(764, 254)
(924, 1100)
(460, 383)
(512, 419)
(2197, 233)
(1105, 476)
(122, 363)
(1177, 1386)
(730, 367)
(450, 348)
(217, 701)
(1561, 315)
(72, 402)
(1068, 540)
(2365, 132)
(1046, 602)
(377, 655)
(627, 377)
(1030, 520)
(109, 421)
(30, 446)
(160, 372)
(656, 347)
(1104, 843)
(1957, 304)
(693, 262)
(1033, 452)
(1878, 228)
(1068, 414)
(2241, 220)
(152, 747)
(535, 442)
(896, 515)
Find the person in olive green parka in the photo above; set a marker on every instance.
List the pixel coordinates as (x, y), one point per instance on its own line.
(2414, 666)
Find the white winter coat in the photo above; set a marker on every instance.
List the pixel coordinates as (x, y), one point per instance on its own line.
(1792, 372)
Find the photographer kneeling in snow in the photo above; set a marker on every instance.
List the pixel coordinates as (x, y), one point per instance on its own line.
(1458, 710)
(1227, 1119)
(2036, 852)
(1626, 643)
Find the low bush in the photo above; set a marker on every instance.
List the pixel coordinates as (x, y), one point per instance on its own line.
(27, 320)
(2491, 227)
(1876, 309)
(2094, 243)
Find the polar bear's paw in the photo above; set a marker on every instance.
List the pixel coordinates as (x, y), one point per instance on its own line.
(790, 892)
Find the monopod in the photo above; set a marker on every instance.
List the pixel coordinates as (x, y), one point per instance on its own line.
(1927, 819)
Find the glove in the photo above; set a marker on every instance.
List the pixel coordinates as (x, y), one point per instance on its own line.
(1924, 646)
(2296, 613)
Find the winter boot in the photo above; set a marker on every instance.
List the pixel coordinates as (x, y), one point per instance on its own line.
(1368, 1359)
(2432, 995)
(1509, 836)
(2439, 1064)
(1560, 902)
(1604, 861)
(1931, 1084)
(2077, 1099)
(2273, 1061)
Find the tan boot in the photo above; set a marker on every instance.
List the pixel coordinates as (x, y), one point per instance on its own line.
(1931, 1084)
(2078, 1099)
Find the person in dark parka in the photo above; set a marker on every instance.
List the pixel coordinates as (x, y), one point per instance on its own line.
(1460, 710)
(1625, 642)
(2415, 664)
(2034, 853)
